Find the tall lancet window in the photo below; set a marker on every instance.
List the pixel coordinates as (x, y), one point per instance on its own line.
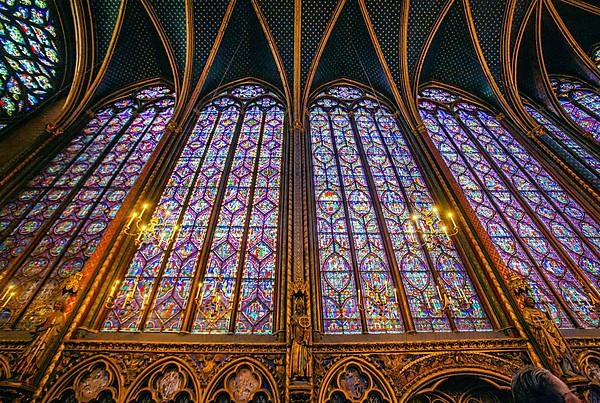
(581, 102)
(221, 207)
(29, 55)
(377, 275)
(52, 226)
(568, 142)
(540, 231)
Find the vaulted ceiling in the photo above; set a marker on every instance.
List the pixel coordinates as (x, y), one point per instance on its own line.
(488, 48)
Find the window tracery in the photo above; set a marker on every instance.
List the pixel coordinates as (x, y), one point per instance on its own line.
(53, 225)
(366, 189)
(582, 104)
(29, 55)
(223, 197)
(541, 232)
(566, 141)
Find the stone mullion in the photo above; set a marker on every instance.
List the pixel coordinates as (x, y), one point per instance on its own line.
(497, 271)
(583, 142)
(152, 183)
(60, 144)
(284, 257)
(570, 180)
(12, 268)
(493, 167)
(385, 236)
(309, 249)
(166, 253)
(200, 267)
(244, 241)
(544, 142)
(357, 283)
(113, 249)
(83, 222)
(548, 200)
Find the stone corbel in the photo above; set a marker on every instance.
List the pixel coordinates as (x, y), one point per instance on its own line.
(536, 132)
(173, 127)
(298, 125)
(53, 129)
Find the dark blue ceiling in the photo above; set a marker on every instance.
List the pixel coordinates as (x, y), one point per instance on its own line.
(349, 50)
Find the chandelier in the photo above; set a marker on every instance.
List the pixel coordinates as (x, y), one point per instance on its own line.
(157, 231)
(7, 296)
(216, 306)
(431, 228)
(129, 297)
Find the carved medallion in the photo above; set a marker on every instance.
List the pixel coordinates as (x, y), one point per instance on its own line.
(169, 384)
(93, 383)
(244, 385)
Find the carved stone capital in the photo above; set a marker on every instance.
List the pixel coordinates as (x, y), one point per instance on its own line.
(173, 127)
(53, 129)
(298, 125)
(422, 130)
(536, 132)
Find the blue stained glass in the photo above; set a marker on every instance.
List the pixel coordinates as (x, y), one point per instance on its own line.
(581, 103)
(230, 177)
(357, 282)
(488, 163)
(26, 29)
(55, 223)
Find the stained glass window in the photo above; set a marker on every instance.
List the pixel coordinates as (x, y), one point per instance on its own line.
(573, 145)
(28, 56)
(596, 56)
(540, 231)
(367, 187)
(223, 204)
(581, 102)
(54, 224)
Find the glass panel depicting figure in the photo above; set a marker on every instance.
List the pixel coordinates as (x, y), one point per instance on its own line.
(540, 231)
(581, 102)
(223, 197)
(29, 56)
(367, 189)
(54, 224)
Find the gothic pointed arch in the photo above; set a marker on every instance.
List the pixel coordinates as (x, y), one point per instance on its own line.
(573, 147)
(580, 101)
(214, 266)
(422, 375)
(541, 232)
(168, 379)
(378, 271)
(463, 387)
(95, 379)
(243, 380)
(355, 380)
(53, 223)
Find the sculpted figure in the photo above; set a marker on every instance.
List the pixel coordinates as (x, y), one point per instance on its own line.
(300, 337)
(33, 355)
(549, 338)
